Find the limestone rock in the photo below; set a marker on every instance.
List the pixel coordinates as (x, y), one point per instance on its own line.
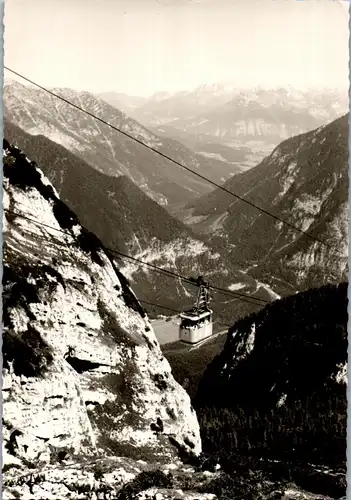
(83, 370)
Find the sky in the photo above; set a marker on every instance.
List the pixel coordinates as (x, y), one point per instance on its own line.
(139, 47)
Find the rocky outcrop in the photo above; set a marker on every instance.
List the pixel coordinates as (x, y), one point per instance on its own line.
(83, 371)
(113, 478)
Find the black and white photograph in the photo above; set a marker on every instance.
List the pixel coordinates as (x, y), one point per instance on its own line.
(175, 249)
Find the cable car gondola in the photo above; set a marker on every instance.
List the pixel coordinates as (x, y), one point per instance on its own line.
(196, 324)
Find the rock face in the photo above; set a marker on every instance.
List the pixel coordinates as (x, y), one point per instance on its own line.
(276, 341)
(82, 367)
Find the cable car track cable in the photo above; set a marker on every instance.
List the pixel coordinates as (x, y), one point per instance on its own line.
(235, 295)
(174, 161)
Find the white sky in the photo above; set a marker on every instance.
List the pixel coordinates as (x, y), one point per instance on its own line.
(143, 46)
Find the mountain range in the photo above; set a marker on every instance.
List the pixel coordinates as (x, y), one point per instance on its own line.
(251, 121)
(166, 107)
(40, 113)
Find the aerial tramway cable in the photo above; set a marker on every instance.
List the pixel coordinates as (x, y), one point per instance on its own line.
(262, 210)
(195, 319)
(68, 234)
(240, 297)
(237, 295)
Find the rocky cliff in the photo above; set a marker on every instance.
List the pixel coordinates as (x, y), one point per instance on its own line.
(83, 372)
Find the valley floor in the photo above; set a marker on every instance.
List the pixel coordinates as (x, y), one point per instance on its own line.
(166, 332)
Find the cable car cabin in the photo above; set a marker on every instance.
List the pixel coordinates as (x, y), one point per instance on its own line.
(195, 327)
(196, 324)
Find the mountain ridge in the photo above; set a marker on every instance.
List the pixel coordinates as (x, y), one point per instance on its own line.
(304, 182)
(108, 151)
(257, 118)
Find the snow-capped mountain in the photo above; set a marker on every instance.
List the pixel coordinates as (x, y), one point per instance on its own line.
(128, 221)
(278, 391)
(262, 119)
(304, 182)
(107, 150)
(256, 118)
(182, 104)
(228, 101)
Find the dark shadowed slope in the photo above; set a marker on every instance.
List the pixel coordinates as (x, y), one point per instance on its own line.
(89, 400)
(278, 389)
(113, 207)
(189, 363)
